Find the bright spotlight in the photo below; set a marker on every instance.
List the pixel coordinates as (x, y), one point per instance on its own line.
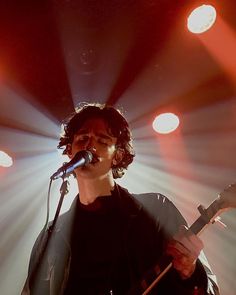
(165, 123)
(201, 19)
(5, 159)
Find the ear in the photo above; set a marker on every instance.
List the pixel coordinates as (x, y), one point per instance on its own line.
(118, 156)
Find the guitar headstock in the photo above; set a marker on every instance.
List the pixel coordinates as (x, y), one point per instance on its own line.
(227, 198)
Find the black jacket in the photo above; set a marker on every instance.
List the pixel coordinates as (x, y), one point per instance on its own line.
(148, 220)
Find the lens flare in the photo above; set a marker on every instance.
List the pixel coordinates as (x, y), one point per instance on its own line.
(165, 123)
(201, 19)
(5, 159)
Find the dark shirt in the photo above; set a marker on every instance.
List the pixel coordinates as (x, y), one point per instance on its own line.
(99, 258)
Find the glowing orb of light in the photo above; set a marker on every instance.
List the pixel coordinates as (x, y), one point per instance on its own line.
(201, 19)
(5, 159)
(165, 123)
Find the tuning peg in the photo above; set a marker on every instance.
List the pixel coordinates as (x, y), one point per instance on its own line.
(218, 221)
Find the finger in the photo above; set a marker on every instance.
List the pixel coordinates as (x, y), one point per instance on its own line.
(193, 244)
(185, 270)
(184, 264)
(189, 240)
(178, 250)
(173, 250)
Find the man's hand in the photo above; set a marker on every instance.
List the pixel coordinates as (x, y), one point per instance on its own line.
(185, 248)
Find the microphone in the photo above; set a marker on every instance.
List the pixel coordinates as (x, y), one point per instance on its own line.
(80, 159)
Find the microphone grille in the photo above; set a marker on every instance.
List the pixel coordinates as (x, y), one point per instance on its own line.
(88, 156)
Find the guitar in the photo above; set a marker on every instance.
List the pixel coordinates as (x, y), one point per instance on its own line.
(225, 200)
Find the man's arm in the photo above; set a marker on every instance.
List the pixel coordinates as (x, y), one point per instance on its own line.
(190, 262)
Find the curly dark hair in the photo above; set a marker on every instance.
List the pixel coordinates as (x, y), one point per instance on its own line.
(117, 127)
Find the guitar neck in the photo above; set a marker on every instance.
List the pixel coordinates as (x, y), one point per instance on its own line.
(199, 225)
(207, 216)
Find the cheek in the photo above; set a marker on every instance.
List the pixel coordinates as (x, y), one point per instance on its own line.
(69, 150)
(111, 152)
(73, 150)
(78, 146)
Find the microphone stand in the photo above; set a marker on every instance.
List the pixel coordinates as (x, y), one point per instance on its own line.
(63, 190)
(44, 241)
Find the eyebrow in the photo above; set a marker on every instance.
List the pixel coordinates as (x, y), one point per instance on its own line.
(99, 134)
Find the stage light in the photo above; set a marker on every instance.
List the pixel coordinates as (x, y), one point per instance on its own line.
(5, 159)
(165, 123)
(201, 19)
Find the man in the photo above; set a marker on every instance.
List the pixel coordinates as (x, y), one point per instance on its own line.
(110, 241)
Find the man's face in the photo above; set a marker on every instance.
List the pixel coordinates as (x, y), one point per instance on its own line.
(93, 136)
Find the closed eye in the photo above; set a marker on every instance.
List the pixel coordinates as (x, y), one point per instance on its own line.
(82, 139)
(102, 141)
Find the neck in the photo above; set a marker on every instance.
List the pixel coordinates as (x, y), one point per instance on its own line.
(91, 189)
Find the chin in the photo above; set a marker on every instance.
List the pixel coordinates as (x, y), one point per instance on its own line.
(91, 171)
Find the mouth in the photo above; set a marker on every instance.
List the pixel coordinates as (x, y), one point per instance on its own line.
(95, 159)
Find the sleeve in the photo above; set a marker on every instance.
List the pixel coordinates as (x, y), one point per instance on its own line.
(36, 270)
(212, 286)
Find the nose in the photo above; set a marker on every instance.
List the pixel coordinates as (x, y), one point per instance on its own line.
(90, 145)
(92, 149)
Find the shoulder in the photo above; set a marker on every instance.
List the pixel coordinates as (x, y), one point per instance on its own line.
(156, 204)
(149, 201)
(58, 232)
(65, 219)
(160, 208)
(152, 200)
